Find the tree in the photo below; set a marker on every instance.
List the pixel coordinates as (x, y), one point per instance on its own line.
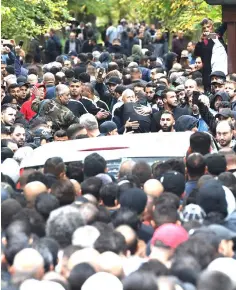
(27, 18)
(179, 14)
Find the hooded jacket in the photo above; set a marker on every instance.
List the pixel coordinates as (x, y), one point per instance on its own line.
(136, 53)
(26, 107)
(224, 97)
(104, 59)
(185, 123)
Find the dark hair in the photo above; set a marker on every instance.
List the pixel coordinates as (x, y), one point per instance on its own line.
(79, 274)
(92, 186)
(94, 164)
(69, 73)
(33, 71)
(103, 215)
(176, 164)
(6, 106)
(9, 208)
(229, 180)
(37, 176)
(165, 214)
(55, 166)
(200, 249)
(14, 245)
(75, 171)
(142, 171)
(124, 216)
(45, 253)
(109, 193)
(60, 133)
(168, 199)
(12, 86)
(83, 57)
(114, 242)
(13, 127)
(186, 268)
(214, 280)
(53, 247)
(196, 165)
(64, 191)
(45, 203)
(6, 153)
(155, 267)
(200, 142)
(35, 122)
(84, 77)
(160, 168)
(73, 129)
(140, 280)
(112, 66)
(36, 221)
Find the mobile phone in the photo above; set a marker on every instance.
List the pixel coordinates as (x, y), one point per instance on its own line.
(100, 72)
(212, 35)
(21, 42)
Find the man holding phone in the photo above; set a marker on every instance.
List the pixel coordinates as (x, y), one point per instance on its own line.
(212, 51)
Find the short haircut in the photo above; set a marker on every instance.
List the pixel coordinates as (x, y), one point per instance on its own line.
(9, 208)
(73, 129)
(165, 214)
(142, 171)
(89, 122)
(79, 274)
(64, 191)
(6, 106)
(195, 164)
(214, 280)
(75, 170)
(55, 166)
(125, 216)
(94, 164)
(45, 203)
(37, 176)
(200, 142)
(167, 112)
(113, 242)
(13, 127)
(206, 21)
(92, 186)
(60, 133)
(165, 92)
(109, 193)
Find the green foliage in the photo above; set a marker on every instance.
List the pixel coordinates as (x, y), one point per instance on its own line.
(179, 14)
(27, 18)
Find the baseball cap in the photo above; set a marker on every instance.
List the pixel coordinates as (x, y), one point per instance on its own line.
(218, 74)
(193, 212)
(173, 181)
(222, 232)
(120, 89)
(225, 112)
(114, 81)
(21, 79)
(218, 81)
(107, 127)
(72, 53)
(21, 84)
(134, 199)
(10, 69)
(171, 235)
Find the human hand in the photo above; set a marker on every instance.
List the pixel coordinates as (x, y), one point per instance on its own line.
(205, 100)
(17, 50)
(134, 124)
(102, 115)
(143, 110)
(195, 110)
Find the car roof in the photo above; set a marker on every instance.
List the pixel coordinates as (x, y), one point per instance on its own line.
(161, 144)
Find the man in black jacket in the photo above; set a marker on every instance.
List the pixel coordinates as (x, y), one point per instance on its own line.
(170, 104)
(72, 44)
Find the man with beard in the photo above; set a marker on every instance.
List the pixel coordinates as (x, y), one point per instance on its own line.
(167, 122)
(24, 93)
(18, 134)
(74, 103)
(180, 92)
(224, 134)
(8, 115)
(170, 104)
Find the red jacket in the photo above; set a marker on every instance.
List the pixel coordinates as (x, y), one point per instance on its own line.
(26, 107)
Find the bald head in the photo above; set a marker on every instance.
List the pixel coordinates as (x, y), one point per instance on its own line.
(153, 188)
(88, 255)
(91, 198)
(29, 261)
(190, 86)
(32, 79)
(49, 78)
(32, 190)
(126, 168)
(230, 157)
(129, 234)
(111, 263)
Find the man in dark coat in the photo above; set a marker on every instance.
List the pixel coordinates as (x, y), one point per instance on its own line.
(72, 44)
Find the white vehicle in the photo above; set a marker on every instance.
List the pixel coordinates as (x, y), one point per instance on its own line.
(149, 147)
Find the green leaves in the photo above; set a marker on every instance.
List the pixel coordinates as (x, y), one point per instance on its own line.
(27, 18)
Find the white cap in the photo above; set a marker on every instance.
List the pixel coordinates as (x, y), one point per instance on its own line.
(226, 266)
(11, 168)
(105, 281)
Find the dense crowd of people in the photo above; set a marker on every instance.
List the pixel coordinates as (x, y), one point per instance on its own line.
(162, 226)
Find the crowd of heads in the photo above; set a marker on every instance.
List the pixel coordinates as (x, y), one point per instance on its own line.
(168, 224)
